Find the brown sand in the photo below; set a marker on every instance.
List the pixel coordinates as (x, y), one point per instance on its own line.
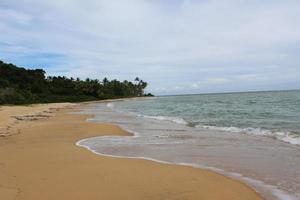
(43, 163)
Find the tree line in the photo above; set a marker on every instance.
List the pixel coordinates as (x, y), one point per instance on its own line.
(24, 86)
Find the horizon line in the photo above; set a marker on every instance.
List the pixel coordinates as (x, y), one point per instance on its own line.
(231, 92)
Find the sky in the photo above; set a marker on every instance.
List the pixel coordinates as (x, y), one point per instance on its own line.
(177, 46)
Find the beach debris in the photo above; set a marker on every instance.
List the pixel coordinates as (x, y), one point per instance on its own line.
(31, 117)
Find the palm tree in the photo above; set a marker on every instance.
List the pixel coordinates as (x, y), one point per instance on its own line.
(105, 81)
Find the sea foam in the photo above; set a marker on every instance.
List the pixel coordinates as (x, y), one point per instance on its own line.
(272, 191)
(286, 136)
(279, 135)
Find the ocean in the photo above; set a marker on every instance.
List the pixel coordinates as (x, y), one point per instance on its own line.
(253, 136)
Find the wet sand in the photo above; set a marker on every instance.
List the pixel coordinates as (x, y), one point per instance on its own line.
(39, 160)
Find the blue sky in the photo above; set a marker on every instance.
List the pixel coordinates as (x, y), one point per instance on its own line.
(178, 46)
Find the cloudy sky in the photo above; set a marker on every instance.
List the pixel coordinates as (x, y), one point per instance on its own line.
(178, 46)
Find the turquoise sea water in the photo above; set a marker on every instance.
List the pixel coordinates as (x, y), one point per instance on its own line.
(275, 114)
(253, 137)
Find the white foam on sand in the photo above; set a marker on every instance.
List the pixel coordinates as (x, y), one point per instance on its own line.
(268, 191)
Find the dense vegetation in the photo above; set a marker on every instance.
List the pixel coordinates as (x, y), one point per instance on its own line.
(23, 86)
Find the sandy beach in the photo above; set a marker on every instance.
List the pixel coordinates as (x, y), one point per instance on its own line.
(39, 160)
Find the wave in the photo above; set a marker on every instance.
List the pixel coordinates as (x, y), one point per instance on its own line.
(284, 136)
(163, 118)
(110, 105)
(279, 135)
(177, 120)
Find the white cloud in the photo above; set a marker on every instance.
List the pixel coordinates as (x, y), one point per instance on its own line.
(13, 17)
(183, 45)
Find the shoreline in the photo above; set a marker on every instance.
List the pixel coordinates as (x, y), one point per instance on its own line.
(256, 185)
(267, 190)
(45, 155)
